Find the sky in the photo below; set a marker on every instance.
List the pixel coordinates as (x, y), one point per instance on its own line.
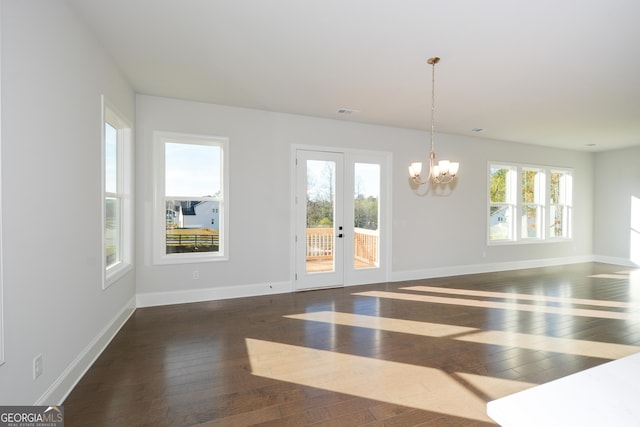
(192, 170)
(111, 154)
(366, 178)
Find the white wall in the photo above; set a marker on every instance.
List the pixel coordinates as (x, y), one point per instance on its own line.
(432, 235)
(617, 180)
(53, 73)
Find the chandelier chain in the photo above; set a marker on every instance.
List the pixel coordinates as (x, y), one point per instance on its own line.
(433, 103)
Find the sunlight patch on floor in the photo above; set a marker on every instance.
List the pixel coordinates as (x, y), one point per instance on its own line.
(610, 276)
(528, 297)
(501, 305)
(384, 323)
(507, 339)
(598, 349)
(403, 384)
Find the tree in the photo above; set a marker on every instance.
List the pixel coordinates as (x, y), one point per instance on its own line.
(320, 194)
(498, 184)
(319, 213)
(366, 212)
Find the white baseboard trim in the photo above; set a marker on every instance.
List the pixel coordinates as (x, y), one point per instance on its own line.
(616, 261)
(62, 386)
(459, 270)
(153, 299)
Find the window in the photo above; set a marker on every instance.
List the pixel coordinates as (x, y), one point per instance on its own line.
(560, 204)
(532, 193)
(191, 181)
(117, 177)
(502, 202)
(537, 195)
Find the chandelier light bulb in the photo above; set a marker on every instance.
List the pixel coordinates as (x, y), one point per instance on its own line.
(415, 169)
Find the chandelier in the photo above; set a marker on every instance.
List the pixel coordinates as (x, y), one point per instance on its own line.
(445, 171)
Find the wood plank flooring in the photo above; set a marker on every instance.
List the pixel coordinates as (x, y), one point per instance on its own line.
(417, 353)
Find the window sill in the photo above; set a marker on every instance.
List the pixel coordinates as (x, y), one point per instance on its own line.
(115, 273)
(527, 242)
(188, 258)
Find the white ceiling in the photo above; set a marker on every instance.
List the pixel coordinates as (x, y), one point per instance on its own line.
(562, 73)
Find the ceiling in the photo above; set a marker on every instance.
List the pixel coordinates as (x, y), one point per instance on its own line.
(556, 73)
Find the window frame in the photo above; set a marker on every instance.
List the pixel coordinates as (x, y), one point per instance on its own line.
(543, 201)
(160, 257)
(124, 192)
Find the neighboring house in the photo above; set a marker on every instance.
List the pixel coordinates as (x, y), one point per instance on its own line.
(194, 214)
(174, 216)
(499, 223)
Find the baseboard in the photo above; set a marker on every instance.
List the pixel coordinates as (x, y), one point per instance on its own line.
(459, 270)
(616, 261)
(152, 299)
(62, 386)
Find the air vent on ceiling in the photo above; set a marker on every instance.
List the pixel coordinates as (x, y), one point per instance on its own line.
(347, 111)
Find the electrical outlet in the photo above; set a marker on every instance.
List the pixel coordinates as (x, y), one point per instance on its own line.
(37, 366)
(196, 274)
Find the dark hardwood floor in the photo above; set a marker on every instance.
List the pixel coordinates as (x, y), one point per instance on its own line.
(425, 352)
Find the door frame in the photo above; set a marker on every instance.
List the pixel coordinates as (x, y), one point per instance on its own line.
(385, 159)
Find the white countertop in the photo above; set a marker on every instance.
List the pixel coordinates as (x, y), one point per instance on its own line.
(604, 396)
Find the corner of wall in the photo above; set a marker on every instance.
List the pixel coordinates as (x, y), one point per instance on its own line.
(62, 386)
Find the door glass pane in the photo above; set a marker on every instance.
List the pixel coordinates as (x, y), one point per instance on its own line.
(366, 215)
(321, 184)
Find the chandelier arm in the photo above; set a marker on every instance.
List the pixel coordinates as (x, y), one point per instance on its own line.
(417, 180)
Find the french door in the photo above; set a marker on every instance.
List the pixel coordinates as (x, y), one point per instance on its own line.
(339, 218)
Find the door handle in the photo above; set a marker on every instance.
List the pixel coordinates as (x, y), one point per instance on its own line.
(339, 235)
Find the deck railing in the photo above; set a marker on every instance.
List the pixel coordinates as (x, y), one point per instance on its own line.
(320, 244)
(192, 240)
(366, 245)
